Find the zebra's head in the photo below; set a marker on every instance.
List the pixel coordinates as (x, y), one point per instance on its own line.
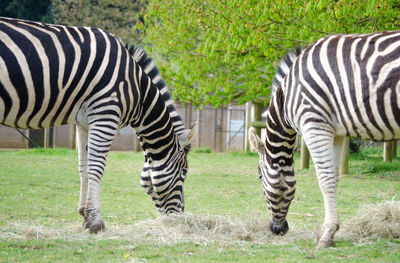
(277, 180)
(163, 179)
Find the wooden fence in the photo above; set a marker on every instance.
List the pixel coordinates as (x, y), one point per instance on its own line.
(218, 129)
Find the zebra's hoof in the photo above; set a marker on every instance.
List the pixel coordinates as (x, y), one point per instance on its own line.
(325, 243)
(86, 224)
(279, 228)
(96, 227)
(324, 237)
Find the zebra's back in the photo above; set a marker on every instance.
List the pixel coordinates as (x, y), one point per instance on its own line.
(48, 71)
(349, 83)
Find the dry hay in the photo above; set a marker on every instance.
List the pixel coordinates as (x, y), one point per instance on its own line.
(373, 221)
(186, 227)
(205, 229)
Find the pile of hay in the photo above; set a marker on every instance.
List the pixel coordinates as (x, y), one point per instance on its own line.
(373, 221)
(186, 227)
(203, 229)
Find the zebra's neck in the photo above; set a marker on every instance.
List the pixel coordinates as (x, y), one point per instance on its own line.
(153, 124)
(280, 137)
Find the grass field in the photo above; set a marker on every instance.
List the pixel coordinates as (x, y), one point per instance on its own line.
(39, 191)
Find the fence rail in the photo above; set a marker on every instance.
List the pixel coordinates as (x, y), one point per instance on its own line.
(218, 129)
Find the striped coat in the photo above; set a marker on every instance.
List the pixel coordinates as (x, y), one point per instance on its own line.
(341, 85)
(52, 75)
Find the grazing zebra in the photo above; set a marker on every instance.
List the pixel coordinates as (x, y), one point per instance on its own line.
(341, 85)
(52, 75)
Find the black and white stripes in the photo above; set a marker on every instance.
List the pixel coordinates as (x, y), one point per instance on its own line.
(52, 75)
(342, 85)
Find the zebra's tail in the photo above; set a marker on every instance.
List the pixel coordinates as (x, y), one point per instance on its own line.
(147, 64)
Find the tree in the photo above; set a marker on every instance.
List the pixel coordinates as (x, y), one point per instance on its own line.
(226, 51)
(27, 9)
(116, 16)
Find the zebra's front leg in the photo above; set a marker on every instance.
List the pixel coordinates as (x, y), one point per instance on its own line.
(101, 135)
(83, 172)
(325, 156)
(147, 185)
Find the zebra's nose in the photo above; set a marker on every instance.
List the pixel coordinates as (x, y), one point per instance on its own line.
(279, 228)
(181, 207)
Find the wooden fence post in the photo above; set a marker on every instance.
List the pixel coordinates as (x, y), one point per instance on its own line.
(305, 156)
(388, 151)
(344, 159)
(198, 130)
(72, 136)
(46, 138)
(221, 130)
(257, 116)
(247, 126)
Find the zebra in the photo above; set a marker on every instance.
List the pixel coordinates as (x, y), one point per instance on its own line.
(52, 75)
(339, 86)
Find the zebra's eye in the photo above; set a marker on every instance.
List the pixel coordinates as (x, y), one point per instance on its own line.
(184, 171)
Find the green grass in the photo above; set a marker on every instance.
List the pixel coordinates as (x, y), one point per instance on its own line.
(41, 188)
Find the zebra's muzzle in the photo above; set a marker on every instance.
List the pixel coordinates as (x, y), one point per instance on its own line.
(279, 228)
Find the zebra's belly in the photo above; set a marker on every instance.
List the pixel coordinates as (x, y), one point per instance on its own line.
(24, 123)
(370, 132)
(35, 112)
(372, 115)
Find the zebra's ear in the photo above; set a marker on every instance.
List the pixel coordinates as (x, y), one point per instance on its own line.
(188, 136)
(255, 141)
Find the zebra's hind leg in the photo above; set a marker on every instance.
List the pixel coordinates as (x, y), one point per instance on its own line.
(83, 172)
(101, 135)
(321, 144)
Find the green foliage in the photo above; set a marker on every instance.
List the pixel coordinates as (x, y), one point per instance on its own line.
(115, 16)
(27, 9)
(222, 51)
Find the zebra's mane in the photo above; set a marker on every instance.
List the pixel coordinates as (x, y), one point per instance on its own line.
(147, 64)
(283, 68)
